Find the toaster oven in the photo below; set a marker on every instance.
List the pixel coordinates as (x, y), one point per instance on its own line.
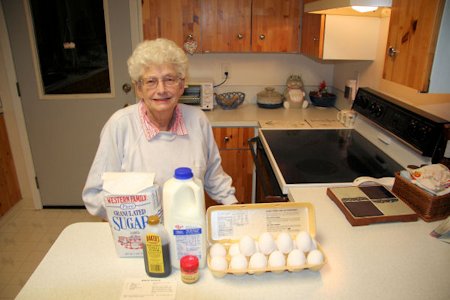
(199, 92)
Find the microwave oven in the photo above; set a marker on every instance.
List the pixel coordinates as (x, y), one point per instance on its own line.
(199, 92)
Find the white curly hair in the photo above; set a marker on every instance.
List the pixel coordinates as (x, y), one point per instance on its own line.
(157, 52)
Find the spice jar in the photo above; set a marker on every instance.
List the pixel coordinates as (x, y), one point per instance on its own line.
(189, 268)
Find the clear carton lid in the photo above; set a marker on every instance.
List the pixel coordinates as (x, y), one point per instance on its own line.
(228, 223)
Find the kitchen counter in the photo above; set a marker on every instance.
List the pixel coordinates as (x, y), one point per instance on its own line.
(383, 261)
(248, 115)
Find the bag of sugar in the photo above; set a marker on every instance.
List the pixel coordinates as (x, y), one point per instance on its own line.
(130, 198)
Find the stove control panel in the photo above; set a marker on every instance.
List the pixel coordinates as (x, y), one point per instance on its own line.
(419, 129)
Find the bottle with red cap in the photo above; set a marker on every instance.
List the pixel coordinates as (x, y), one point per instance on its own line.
(189, 268)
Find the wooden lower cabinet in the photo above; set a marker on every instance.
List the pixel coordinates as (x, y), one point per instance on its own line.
(237, 160)
(9, 184)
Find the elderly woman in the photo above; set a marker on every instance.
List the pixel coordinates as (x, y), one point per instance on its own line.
(158, 134)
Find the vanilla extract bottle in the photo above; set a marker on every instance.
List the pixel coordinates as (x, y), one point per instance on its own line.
(156, 249)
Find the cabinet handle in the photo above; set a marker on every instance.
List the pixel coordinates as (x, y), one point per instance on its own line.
(392, 51)
(315, 39)
(226, 139)
(240, 36)
(262, 36)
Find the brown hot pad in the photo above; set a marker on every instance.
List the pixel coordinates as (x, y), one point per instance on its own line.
(370, 204)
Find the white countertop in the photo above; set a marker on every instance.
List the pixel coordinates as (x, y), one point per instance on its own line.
(248, 115)
(382, 261)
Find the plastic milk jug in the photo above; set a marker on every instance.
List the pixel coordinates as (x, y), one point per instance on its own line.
(184, 216)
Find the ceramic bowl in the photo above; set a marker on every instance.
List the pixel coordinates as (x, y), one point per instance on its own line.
(328, 101)
(269, 98)
(230, 100)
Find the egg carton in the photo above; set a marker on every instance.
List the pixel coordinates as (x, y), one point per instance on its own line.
(252, 271)
(226, 224)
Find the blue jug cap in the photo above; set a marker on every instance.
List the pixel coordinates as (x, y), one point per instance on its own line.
(183, 173)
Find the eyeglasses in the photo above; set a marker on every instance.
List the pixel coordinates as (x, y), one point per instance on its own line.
(152, 82)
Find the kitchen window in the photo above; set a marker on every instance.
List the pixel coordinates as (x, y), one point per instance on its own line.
(71, 51)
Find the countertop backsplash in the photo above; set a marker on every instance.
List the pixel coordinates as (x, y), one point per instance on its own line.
(252, 90)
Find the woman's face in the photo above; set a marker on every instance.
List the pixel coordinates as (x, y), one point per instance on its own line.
(160, 88)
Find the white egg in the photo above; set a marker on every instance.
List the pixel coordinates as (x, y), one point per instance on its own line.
(266, 243)
(284, 242)
(219, 263)
(247, 245)
(296, 258)
(217, 249)
(258, 261)
(277, 259)
(304, 241)
(238, 262)
(234, 249)
(315, 257)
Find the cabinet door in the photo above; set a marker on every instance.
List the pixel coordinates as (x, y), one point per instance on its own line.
(275, 26)
(237, 160)
(412, 38)
(226, 25)
(9, 185)
(237, 163)
(172, 19)
(312, 34)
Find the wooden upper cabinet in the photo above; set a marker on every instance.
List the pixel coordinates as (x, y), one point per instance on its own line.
(173, 19)
(413, 31)
(275, 26)
(226, 25)
(313, 26)
(340, 37)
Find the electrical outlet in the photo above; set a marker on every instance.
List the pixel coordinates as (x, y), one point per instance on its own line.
(225, 68)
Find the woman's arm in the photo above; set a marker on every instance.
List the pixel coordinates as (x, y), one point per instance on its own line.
(107, 159)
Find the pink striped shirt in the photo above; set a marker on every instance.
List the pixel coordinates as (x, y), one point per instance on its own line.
(150, 130)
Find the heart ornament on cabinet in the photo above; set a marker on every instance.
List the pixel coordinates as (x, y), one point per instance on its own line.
(190, 45)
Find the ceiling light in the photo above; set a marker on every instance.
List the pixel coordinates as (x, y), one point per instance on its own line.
(363, 9)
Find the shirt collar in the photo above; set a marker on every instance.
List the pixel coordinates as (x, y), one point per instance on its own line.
(177, 127)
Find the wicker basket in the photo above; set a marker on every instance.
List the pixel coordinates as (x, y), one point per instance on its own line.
(429, 208)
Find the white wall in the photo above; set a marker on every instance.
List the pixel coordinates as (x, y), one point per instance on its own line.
(367, 73)
(440, 76)
(250, 73)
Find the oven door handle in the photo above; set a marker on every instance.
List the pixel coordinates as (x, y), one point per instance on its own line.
(252, 144)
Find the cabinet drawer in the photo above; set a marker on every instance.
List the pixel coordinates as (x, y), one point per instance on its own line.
(233, 137)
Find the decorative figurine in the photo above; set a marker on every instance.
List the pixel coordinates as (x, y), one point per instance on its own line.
(294, 93)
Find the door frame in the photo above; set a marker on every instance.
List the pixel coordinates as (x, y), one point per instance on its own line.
(15, 122)
(12, 107)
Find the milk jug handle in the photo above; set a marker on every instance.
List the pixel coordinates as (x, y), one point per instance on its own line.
(196, 188)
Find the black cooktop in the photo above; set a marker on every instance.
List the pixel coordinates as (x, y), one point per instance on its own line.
(327, 156)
